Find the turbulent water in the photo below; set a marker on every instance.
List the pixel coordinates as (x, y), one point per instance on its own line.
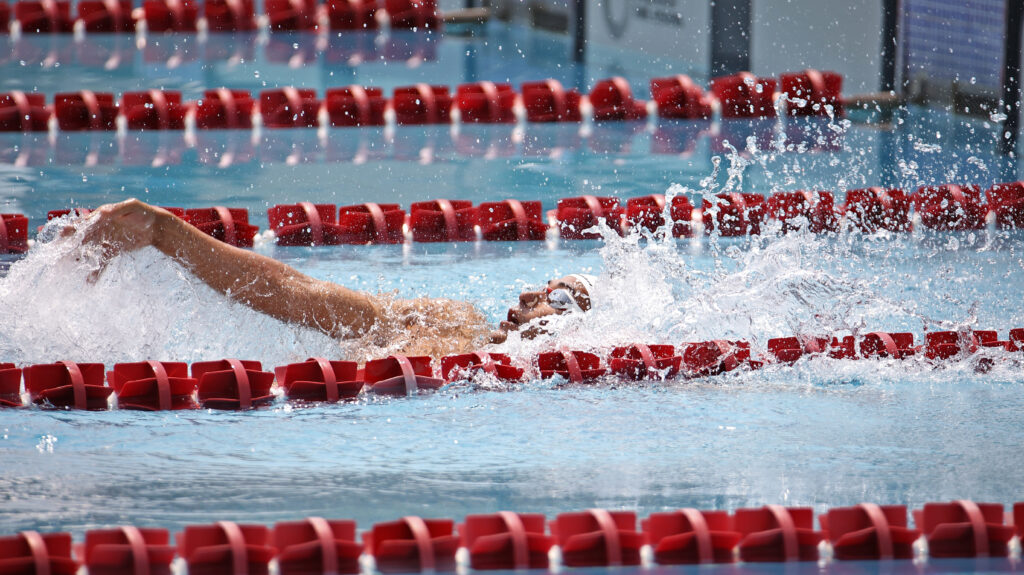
(63, 301)
(56, 304)
(821, 432)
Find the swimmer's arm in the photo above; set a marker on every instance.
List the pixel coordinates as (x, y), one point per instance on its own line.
(264, 284)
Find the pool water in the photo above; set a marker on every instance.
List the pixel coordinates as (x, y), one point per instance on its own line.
(822, 433)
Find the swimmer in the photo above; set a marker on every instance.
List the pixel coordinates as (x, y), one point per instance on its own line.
(428, 326)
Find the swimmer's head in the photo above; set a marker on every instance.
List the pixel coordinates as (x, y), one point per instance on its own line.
(569, 294)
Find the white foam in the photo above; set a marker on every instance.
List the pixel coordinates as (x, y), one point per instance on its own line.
(652, 288)
(55, 305)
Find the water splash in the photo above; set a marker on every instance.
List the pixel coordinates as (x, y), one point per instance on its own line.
(657, 289)
(54, 305)
(652, 288)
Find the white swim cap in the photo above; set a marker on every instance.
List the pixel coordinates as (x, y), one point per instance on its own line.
(588, 282)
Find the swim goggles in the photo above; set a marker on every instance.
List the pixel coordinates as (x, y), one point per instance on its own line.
(563, 299)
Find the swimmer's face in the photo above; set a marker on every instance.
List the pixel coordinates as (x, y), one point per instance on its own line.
(538, 303)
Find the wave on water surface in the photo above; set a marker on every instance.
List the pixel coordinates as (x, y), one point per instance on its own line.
(651, 289)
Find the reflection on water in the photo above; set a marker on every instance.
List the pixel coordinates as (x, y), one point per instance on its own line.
(821, 433)
(418, 144)
(482, 163)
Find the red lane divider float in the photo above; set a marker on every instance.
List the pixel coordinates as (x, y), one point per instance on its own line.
(814, 210)
(775, 534)
(499, 365)
(128, 551)
(1006, 201)
(1018, 518)
(355, 106)
(990, 338)
(83, 212)
(806, 93)
(715, 357)
(790, 349)
(76, 212)
(728, 214)
(319, 379)
(106, 16)
(289, 108)
(422, 104)
(306, 224)
(230, 15)
(647, 213)
(511, 220)
(786, 349)
(869, 532)
(679, 97)
(443, 221)
(413, 544)
(506, 540)
(734, 214)
(291, 15)
(481, 102)
(33, 553)
(950, 207)
(153, 110)
(598, 538)
(400, 375)
(641, 361)
(964, 529)
(812, 93)
(486, 103)
(744, 95)
(1016, 339)
(170, 15)
(226, 548)
(612, 99)
(67, 384)
(575, 366)
(352, 14)
(23, 112)
(153, 385)
(232, 384)
(85, 110)
(13, 234)
(548, 101)
(225, 109)
(943, 345)
(842, 348)
(413, 14)
(229, 225)
(372, 223)
(316, 545)
(10, 385)
(576, 215)
(44, 16)
(874, 209)
(891, 345)
(690, 536)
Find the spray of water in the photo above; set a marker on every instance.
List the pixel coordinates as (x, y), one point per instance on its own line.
(54, 305)
(652, 288)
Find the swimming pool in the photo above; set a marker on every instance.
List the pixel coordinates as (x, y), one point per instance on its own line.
(822, 433)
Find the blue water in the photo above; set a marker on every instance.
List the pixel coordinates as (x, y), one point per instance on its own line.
(821, 433)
